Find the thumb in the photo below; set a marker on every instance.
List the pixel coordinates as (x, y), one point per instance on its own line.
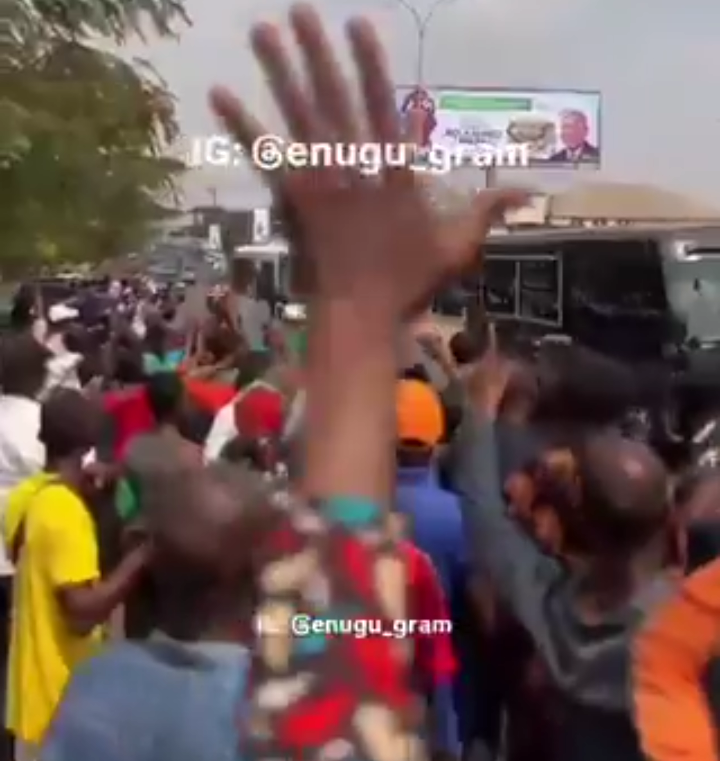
(463, 233)
(491, 205)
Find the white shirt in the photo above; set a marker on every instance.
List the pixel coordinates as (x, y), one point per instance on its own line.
(62, 372)
(62, 366)
(21, 453)
(222, 431)
(295, 417)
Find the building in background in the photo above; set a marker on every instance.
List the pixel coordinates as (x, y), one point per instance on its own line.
(611, 204)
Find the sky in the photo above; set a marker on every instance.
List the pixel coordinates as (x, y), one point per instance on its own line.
(655, 62)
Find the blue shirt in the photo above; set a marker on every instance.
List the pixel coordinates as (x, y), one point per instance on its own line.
(152, 700)
(436, 528)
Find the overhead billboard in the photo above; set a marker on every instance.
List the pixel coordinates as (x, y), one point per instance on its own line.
(561, 128)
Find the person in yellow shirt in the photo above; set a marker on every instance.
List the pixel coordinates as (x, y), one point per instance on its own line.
(59, 599)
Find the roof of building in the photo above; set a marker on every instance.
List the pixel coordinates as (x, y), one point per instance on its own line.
(616, 200)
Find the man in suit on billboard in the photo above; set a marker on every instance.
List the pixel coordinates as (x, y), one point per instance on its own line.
(573, 133)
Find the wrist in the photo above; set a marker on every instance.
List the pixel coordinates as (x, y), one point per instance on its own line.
(352, 324)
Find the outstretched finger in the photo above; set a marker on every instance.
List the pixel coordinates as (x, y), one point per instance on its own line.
(294, 103)
(412, 127)
(375, 81)
(331, 90)
(235, 117)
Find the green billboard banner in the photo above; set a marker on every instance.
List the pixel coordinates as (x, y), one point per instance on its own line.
(558, 128)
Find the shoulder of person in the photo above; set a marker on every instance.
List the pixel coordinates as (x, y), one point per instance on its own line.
(56, 504)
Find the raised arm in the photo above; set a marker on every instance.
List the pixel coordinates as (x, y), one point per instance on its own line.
(376, 252)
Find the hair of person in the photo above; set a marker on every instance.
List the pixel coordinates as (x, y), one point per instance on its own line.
(77, 340)
(262, 455)
(625, 492)
(466, 347)
(199, 520)
(416, 372)
(165, 395)
(582, 386)
(23, 306)
(69, 424)
(156, 337)
(23, 364)
(129, 367)
(252, 367)
(414, 454)
(194, 423)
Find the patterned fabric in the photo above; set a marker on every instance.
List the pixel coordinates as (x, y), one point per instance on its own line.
(328, 698)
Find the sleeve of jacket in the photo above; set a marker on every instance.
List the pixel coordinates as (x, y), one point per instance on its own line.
(520, 572)
(671, 653)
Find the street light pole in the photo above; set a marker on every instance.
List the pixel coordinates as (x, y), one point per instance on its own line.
(422, 22)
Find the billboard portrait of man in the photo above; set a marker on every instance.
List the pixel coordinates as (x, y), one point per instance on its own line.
(420, 100)
(574, 129)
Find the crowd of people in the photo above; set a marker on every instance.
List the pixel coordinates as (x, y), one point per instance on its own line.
(167, 482)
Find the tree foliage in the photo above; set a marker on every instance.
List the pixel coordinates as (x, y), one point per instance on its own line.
(83, 133)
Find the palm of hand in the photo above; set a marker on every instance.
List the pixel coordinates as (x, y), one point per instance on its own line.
(377, 237)
(368, 235)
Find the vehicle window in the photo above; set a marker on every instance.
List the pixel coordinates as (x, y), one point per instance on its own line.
(539, 283)
(285, 276)
(266, 284)
(616, 277)
(500, 286)
(693, 286)
(615, 296)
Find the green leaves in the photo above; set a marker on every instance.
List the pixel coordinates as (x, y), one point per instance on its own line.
(83, 133)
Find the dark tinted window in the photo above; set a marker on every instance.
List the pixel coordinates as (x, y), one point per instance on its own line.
(500, 286)
(617, 277)
(265, 284)
(540, 289)
(615, 296)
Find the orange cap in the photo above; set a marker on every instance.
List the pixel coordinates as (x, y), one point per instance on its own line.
(419, 413)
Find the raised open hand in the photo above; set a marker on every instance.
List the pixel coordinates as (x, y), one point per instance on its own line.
(370, 238)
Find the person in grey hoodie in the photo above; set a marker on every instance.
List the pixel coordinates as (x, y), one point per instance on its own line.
(582, 618)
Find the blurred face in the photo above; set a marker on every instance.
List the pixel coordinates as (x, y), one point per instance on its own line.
(573, 130)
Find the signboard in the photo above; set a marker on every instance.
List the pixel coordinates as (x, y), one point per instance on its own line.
(215, 237)
(560, 127)
(260, 226)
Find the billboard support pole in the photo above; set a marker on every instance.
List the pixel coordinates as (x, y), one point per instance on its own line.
(422, 22)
